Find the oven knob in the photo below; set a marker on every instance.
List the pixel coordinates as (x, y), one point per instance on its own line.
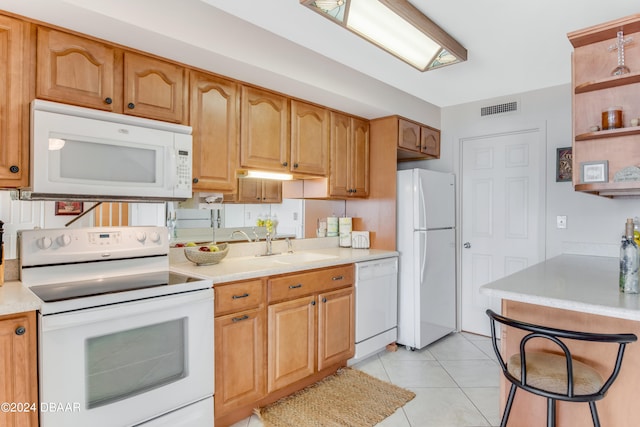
(141, 236)
(44, 242)
(154, 237)
(64, 239)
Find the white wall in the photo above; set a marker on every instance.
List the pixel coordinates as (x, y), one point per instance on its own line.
(595, 223)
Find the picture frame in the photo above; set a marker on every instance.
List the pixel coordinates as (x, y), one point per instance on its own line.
(597, 171)
(564, 164)
(69, 208)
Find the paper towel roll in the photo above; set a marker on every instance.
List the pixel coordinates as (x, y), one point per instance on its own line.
(344, 227)
(332, 226)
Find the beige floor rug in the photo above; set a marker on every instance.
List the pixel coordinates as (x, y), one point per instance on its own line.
(350, 398)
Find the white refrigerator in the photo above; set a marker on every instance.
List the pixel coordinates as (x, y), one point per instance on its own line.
(427, 266)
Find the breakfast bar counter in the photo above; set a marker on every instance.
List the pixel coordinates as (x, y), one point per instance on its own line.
(579, 293)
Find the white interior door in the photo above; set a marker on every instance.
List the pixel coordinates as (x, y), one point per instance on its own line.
(502, 215)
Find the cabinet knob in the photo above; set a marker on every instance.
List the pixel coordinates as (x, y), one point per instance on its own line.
(257, 198)
(108, 100)
(240, 296)
(131, 105)
(313, 302)
(285, 164)
(295, 165)
(354, 190)
(324, 299)
(195, 180)
(299, 285)
(20, 330)
(14, 169)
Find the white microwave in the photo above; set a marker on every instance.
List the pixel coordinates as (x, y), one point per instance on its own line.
(84, 154)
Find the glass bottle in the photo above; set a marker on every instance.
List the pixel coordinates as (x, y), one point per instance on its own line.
(629, 261)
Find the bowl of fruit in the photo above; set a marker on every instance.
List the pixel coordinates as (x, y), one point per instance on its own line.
(206, 254)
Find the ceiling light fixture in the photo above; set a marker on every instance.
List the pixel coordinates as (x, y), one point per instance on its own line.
(395, 26)
(243, 173)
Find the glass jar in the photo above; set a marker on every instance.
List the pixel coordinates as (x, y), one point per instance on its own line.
(612, 118)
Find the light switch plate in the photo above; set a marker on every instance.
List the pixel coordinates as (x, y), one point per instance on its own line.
(561, 221)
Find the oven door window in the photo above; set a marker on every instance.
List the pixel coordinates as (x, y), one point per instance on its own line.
(134, 361)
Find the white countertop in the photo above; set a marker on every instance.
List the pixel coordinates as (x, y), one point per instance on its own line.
(245, 267)
(587, 284)
(15, 298)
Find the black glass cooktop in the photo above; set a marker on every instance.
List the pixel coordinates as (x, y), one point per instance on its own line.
(109, 285)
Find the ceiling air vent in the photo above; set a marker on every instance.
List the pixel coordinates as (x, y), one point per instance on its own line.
(507, 107)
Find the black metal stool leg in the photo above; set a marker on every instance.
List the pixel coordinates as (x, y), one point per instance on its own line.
(551, 412)
(594, 414)
(507, 408)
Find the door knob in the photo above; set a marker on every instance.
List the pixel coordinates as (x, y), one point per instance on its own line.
(467, 245)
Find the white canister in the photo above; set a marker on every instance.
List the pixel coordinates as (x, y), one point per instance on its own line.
(332, 226)
(344, 228)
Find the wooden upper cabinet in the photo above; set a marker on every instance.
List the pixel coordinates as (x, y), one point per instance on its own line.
(15, 73)
(349, 175)
(76, 70)
(19, 368)
(155, 89)
(408, 135)
(215, 116)
(252, 190)
(310, 136)
(80, 71)
(430, 142)
(264, 133)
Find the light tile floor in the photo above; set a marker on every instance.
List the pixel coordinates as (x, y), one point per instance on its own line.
(456, 381)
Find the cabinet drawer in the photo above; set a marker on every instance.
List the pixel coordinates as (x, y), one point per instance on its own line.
(238, 296)
(297, 285)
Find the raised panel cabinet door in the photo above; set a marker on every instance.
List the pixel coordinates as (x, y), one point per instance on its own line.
(291, 342)
(310, 136)
(14, 102)
(336, 327)
(240, 359)
(408, 135)
(271, 191)
(155, 89)
(250, 190)
(264, 130)
(76, 70)
(359, 161)
(18, 368)
(339, 185)
(215, 116)
(430, 144)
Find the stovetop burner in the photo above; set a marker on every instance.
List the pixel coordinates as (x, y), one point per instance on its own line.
(109, 285)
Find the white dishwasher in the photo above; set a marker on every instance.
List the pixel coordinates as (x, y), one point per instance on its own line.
(376, 306)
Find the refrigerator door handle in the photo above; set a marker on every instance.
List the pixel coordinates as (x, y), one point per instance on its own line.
(423, 253)
(421, 213)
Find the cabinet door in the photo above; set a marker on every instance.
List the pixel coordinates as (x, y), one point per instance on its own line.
(249, 190)
(336, 327)
(18, 368)
(339, 185)
(310, 135)
(155, 89)
(408, 135)
(264, 134)
(271, 191)
(359, 162)
(291, 342)
(14, 103)
(239, 359)
(430, 144)
(215, 115)
(76, 70)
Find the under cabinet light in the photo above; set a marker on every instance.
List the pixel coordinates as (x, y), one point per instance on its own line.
(243, 173)
(395, 26)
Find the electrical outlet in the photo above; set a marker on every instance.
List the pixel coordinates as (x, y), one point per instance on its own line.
(295, 216)
(561, 221)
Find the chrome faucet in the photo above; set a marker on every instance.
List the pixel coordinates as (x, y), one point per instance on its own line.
(243, 233)
(268, 240)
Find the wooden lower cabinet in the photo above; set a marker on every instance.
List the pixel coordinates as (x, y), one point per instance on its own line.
(276, 335)
(18, 368)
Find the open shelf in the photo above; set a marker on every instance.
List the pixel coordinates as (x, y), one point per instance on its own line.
(611, 189)
(608, 83)
(608, 133)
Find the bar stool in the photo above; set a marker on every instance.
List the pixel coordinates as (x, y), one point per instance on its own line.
(555, 376)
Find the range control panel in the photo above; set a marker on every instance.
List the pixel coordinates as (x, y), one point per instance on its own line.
(63, 245)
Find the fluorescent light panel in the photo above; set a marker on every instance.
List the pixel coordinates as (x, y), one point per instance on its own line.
(264, 175)
(395, 26)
